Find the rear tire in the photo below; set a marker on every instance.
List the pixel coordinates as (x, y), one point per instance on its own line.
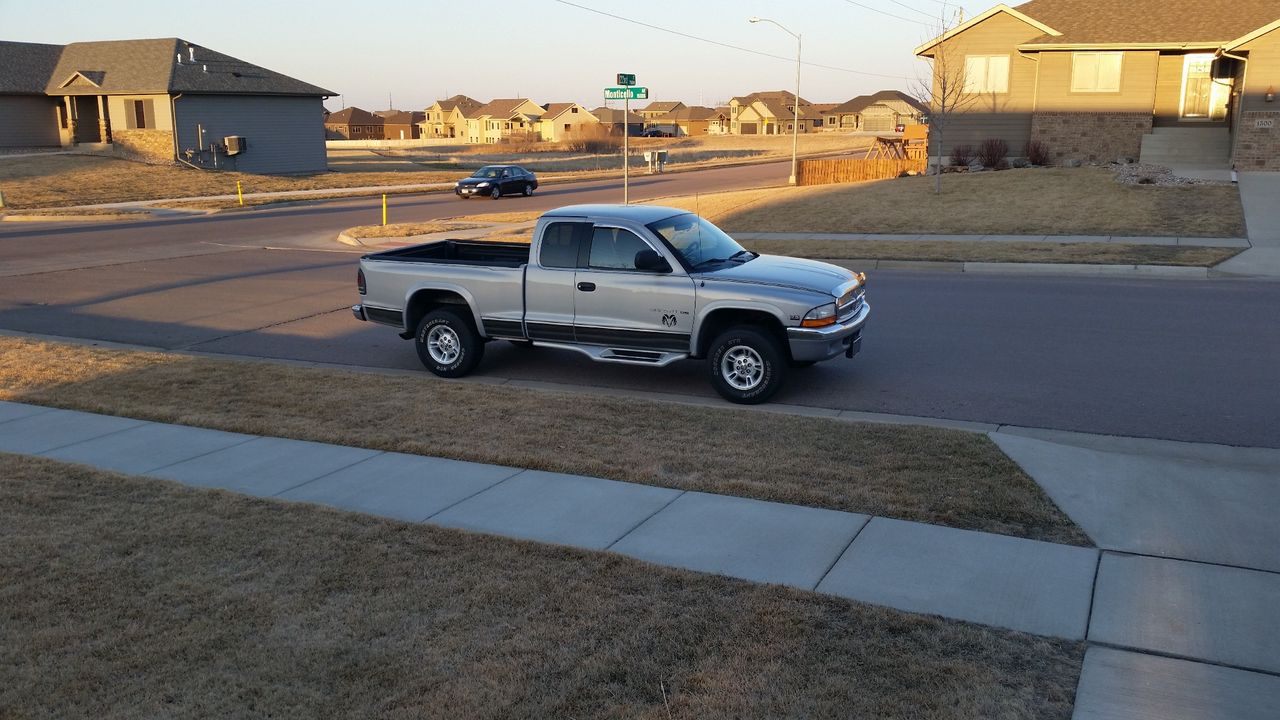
(448, 344)
(747, 365)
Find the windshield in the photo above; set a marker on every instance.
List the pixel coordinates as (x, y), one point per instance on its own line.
(698, 242)
(487, 172)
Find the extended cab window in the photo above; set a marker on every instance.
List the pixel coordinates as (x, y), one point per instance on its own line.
(615, 249)
(559, 246)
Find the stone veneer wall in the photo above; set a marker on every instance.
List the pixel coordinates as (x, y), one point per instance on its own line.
(1258, 148)
(152, 145)
(1090, 137)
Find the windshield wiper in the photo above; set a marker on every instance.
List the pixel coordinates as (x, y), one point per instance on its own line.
(741, 252)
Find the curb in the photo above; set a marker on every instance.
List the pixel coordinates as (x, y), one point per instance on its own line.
(1013, 268)
(77, 218)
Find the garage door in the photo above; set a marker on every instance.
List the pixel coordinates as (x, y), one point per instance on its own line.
(747, 128)
(878, 123)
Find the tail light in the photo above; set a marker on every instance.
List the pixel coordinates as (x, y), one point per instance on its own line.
(360, 285)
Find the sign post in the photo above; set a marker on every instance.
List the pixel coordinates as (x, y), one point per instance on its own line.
(626, 93)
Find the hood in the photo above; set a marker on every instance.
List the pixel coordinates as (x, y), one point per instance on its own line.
(789, 272)
(476, 180)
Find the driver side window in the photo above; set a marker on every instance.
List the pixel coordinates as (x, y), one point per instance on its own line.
(615, 249)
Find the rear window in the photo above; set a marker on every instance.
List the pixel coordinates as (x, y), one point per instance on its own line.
(559, 246)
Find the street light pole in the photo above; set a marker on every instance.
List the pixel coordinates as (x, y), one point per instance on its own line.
(795, 107)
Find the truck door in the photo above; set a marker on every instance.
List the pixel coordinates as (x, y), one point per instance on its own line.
(549, 292)
(618, 305)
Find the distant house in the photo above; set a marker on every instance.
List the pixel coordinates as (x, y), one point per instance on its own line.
(612, 122)
(448, 118)
(720, 122)
(566, 121)
(160, 99)
(659, 108)
(683, 121)
(354, 123)
(402, 124)
(504, 120)
(820, 111)
(770, 113)
(879, 112)
(1157, 80)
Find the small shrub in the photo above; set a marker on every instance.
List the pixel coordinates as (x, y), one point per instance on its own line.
(1037, 153)
(602, 145)
(961, 155)
(993, 152)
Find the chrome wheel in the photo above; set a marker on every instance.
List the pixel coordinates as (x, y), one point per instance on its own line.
(742, 367)
(443, 344)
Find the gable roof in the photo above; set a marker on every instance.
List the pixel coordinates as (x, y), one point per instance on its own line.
(1149, 22)
(501, 107)
(25, 68)
(152, 67)
(926, 48)
(353, 116)
(403, 117)
(458, 100)
(610, 115)
(555, 110)
(662, 106)
(862, 102)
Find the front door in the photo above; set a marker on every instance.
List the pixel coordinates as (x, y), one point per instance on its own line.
(617, 305)
(1203, 97)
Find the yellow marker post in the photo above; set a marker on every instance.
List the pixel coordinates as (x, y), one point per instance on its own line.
(384, 209)
(240, 193)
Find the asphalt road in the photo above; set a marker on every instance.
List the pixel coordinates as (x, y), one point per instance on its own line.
(1179, 360)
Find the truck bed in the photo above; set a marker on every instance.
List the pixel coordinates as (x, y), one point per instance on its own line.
(460, 252)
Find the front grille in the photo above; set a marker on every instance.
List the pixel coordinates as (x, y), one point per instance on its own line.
(849, 304)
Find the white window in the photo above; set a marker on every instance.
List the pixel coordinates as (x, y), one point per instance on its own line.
(986, 74)
(1096, 71)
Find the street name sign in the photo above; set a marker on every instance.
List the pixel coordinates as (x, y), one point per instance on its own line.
(626, 93)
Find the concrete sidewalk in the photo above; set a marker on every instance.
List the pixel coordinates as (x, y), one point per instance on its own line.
(1260, 195)
(1161, 629)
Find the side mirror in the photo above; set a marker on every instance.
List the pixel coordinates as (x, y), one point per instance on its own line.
(649, 260)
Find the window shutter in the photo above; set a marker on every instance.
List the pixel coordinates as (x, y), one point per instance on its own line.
(149, 113)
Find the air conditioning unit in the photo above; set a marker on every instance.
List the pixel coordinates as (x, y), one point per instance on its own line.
(235, 144)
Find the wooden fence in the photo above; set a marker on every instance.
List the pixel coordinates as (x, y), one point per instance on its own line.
(825, 172)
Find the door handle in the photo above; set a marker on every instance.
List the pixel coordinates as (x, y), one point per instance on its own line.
(587, 287)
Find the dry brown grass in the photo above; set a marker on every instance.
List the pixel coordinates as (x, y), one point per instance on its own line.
(978, 251)
(1055, 201)
(59, 180)
(408, 229)
(135, 598)
(914, 473)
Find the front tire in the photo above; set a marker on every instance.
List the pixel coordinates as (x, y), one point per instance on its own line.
(528, 189)
(496, 193)
(448, 344)
(747, 365)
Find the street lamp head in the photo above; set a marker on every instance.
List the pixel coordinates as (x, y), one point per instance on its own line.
(753, 19)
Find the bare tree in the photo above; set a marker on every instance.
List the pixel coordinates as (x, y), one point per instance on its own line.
(944, 90)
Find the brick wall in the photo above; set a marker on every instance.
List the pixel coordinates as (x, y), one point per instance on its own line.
(152, 145)
(1090, 137)
(1258, 148)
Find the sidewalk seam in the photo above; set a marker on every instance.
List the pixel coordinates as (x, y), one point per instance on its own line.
(646, 519)
(331, 472)
(842, 553)
(518, 471)
(1184, 658)
(1093, 594)
(196, 457)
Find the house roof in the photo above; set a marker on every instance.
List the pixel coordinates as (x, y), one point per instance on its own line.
(693, 112)
(610, 115)
(353, 116)
(403, 117)
(662, 106)
(555, 110)
(25, 68)
(499, 107)
(152, 66)
(1149, 22)
(456, 101)
(862, 102)
(1131, 23)
(777, 95)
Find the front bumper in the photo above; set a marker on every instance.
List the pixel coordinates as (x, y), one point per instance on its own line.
(814, 344)
(472, 190)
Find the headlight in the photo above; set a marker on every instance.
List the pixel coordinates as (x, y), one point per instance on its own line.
(821, 316)
(458, 184)
(483, 184)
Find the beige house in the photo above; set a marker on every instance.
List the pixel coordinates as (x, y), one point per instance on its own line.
(504, 120)
(879, 112)
(719, 122)
(448, 118)
(612, 121)
(683, 121)
(770, 113)
(1163, 81)
(659, 108)
(567, 121)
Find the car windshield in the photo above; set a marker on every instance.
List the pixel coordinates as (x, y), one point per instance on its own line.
(487, 172)
(698, 242)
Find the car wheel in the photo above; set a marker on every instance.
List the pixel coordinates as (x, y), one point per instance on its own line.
(448, 344)
(496, 192)
(528, 189)
(747, 366)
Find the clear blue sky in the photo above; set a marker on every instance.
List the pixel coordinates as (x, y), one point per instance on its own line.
(541, 49)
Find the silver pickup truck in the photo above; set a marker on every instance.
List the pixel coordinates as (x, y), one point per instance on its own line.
(634, 284)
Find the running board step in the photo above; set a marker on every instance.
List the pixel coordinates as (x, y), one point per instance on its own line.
(626, 356)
